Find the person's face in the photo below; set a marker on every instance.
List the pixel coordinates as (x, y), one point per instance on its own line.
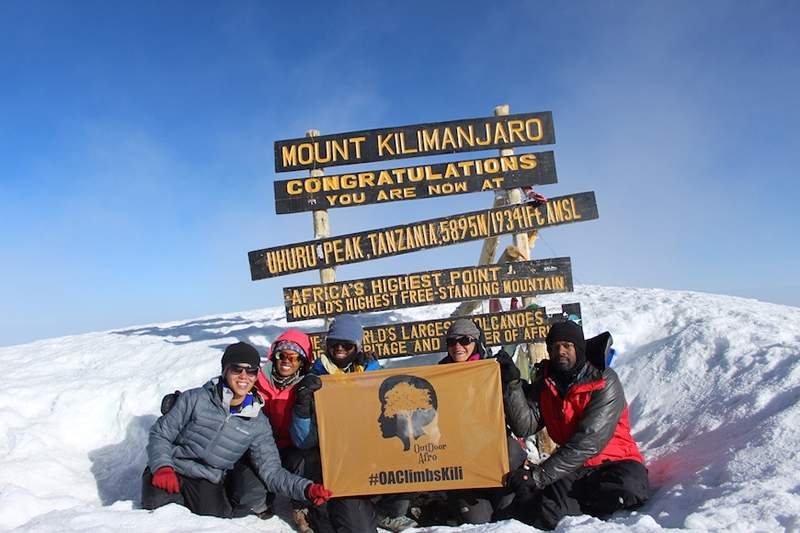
(287, 362)
(563, 355)
(340, 350)
(240, 378)
(460, 348)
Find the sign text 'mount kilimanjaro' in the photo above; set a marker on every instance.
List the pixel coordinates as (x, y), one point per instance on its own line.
(486, 133)
(523, 278)
(385, 242)
(410, 183)
(427, 336)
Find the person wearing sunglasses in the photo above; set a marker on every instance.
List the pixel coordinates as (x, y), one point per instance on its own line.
(466, 342)
(206, 431)
(343, 355)
(288, 360)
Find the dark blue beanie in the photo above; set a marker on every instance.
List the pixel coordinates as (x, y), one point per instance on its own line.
(346, 328)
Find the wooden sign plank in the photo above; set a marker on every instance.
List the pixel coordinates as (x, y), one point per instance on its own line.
(366, 146)
(427, 336)
(395, 240)
(411, 183)
(381, 293)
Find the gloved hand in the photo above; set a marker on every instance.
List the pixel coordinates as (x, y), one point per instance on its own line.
(508, 369)
(304, 397)
(166, 479)
(168, 401)
(318, 494)
(527, 478)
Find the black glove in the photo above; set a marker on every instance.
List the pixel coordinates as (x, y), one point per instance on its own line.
(304, 397)
(509, 372)
(527, 478)
(168, 401)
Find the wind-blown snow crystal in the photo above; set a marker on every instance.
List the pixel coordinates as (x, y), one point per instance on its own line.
(713, 384)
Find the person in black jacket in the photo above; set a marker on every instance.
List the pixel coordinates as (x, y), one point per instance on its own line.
(597, 468)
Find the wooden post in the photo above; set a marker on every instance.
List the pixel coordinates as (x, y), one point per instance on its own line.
(322, 228)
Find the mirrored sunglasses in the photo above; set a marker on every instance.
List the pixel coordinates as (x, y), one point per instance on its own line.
(463, 341)
(238, 369)
(291, 357)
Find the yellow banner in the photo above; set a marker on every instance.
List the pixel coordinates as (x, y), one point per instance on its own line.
(412, 429)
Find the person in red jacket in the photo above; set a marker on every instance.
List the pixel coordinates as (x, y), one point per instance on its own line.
(597, 468)
(288, 360)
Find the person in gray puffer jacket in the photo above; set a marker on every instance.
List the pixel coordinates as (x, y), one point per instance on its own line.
(207, 430)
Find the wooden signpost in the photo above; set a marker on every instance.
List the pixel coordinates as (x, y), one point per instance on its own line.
(385, 242)
(411, 183)
(366, 146)
(430, 287)
(427, 336)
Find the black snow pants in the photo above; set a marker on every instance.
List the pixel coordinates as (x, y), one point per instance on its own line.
(598, 491)
(200, 496)
(246, 492)
(354, 514)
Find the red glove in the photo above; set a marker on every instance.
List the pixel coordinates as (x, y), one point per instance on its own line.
(318, 494)
(165, 479)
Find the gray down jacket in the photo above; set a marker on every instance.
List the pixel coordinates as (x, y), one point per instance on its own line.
(200, 438)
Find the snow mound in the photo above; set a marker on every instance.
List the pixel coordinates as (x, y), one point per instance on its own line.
(713, 384)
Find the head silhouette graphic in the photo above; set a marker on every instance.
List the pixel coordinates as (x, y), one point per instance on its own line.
(408, 409)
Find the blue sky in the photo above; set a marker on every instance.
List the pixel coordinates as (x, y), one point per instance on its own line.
(136, 141)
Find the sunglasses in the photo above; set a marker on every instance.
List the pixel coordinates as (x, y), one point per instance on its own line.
(463, 341)
(347, 346)
(237, 369)
(292, 358)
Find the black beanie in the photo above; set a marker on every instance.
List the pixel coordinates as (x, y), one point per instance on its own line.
(241, 352)
(569, 331)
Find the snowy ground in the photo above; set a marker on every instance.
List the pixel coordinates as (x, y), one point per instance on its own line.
(713, 383)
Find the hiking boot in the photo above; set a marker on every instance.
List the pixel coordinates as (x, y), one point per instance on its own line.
(396, 523)
(300, 517)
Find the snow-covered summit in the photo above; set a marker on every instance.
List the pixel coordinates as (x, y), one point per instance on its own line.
(713, 383)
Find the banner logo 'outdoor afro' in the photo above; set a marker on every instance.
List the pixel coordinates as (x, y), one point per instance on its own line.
(408, 409)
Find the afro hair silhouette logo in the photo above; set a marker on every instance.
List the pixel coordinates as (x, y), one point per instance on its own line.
(408, 409)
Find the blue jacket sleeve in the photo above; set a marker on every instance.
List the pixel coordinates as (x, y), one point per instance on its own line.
(303, 432)
(165, 431)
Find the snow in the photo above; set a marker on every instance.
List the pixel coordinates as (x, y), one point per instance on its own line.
(713, 384)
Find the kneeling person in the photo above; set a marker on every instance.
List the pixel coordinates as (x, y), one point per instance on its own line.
(203, 435)
(597, 468)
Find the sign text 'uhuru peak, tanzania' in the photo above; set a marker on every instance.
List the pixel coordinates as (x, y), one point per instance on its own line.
(523, 278)
(524, 129)
(410, 183)
(427, 336)
(395, 240)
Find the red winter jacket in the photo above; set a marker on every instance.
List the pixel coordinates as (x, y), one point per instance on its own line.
(562, 416)
(590, 424)
(278, 402)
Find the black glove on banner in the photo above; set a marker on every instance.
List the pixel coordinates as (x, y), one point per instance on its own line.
(304, 397)
(509, 372)
(527, 478)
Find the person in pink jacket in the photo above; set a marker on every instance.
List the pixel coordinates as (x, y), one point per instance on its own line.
(287, 361)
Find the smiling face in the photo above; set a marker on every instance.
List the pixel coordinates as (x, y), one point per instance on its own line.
(458, 351)
(240, 379)
(287, 362)
(341, 352)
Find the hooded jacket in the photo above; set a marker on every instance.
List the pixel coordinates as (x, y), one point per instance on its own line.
(278, 402)
(200, 438)
(590, 423)
(304, 430)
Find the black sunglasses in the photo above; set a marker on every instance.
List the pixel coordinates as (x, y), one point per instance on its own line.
(237, 369)
(344, 344)
(463, 341)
